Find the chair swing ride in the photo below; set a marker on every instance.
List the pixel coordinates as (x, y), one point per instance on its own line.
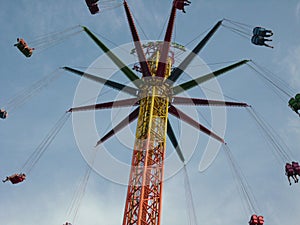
(155, 96)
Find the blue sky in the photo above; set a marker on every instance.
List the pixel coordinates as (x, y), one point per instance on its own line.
(45, 196)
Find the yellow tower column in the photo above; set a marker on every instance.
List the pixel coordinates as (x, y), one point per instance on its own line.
(144, 195)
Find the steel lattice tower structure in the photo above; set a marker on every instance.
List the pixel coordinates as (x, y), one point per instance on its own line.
(155, 98)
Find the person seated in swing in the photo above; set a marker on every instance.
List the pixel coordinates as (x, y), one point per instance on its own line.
(15, 178)
(260, 31)
(260, 220)
(295, 104)
(93, 6)
(3, 114)
(21, 44)
(23, 47)
(259, 40)
(253, 220)
(289, 172)
(297, 97)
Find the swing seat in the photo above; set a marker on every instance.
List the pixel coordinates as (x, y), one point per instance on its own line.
(93, 6)
(17, 178)
(24, 48)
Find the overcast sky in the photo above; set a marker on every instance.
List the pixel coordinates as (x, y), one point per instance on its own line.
(46, 195)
